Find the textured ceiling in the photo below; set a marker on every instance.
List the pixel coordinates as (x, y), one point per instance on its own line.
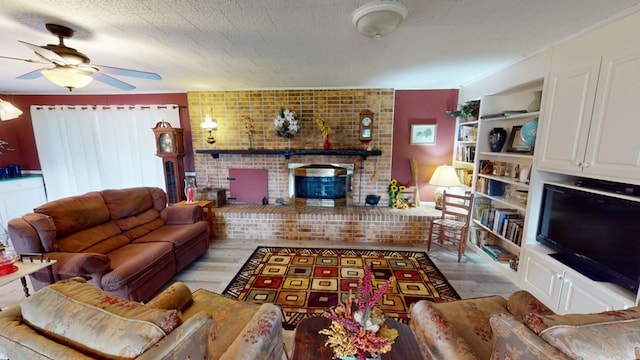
(265, 44)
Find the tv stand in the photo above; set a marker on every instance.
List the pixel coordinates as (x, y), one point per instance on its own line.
(566, 290)
(578, 265)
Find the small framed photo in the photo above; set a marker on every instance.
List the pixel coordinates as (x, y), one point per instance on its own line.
(423, 134)
(516, 144)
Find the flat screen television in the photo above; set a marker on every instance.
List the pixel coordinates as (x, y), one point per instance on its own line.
(596, 235)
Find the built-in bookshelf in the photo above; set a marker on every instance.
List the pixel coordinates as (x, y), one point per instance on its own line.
(501, 177)
(465, 149)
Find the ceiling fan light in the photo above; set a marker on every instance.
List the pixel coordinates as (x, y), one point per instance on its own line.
(70, 78)
(378, 18)
(8, 111)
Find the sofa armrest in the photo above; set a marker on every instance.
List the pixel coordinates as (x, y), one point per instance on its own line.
(261, 338)
(185, 342)
(437, 339)
(183, 214)
(513, 340)
(90, 266)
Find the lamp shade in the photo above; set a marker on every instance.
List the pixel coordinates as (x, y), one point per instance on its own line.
(70, 78)
(378, 18)
(8, 111)
(445, 176)
(209, 123)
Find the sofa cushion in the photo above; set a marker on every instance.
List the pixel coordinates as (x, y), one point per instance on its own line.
(100, 239)
(75, 213)
(538, 323)
(95, 322)
(123, 203)
(610, 340)
(470, 318)
(178, 235)
(132, 261)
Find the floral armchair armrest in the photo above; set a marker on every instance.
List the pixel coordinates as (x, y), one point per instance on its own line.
(522, 303)
(437, 338)
(187, 341)
(261, 338)
(513, 340)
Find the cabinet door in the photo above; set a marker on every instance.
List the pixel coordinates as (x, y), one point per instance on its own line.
(542, 278)
(21, 196)
(583, 296)
(563, 133)
(613, 150)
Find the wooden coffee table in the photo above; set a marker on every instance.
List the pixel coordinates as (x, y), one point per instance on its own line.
(309, 345)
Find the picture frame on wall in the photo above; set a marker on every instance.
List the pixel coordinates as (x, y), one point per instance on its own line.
(423, 134)
(515, 143)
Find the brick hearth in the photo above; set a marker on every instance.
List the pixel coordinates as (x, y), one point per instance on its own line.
(354, 223)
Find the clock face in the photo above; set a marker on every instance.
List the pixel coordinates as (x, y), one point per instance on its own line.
(366, 121)
(166, 144)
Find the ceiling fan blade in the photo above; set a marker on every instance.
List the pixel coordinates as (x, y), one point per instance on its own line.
(46, 53)
(27, 60)
(31, 75)
(128, 72)
(112, 81)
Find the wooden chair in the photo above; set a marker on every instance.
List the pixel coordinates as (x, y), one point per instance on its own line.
(453, 225)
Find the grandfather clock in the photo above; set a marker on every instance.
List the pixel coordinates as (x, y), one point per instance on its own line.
(170, 147)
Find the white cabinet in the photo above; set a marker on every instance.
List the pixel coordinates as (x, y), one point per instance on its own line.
(20, 196)
(589, 117)
(564, 290)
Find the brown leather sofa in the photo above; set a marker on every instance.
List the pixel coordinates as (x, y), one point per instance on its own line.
(128, 242)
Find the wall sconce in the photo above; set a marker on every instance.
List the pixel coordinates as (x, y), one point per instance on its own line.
(210, 125)
(8, 111)
(444, 177)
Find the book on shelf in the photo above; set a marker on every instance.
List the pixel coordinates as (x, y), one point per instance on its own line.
(465, 176)
(497, 253)
(501, 215)
(512, 230)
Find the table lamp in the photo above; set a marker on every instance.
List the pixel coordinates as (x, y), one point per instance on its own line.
(444, 177)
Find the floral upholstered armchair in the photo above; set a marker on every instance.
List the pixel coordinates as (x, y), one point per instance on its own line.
(521, 328)
(72, 319)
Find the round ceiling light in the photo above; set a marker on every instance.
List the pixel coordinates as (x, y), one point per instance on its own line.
(378, 18)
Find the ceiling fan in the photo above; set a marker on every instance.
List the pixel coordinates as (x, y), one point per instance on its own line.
(71, 68)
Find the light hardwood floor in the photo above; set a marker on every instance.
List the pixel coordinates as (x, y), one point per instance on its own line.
(472, 277)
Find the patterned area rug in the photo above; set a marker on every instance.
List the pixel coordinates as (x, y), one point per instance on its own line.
(305, 282)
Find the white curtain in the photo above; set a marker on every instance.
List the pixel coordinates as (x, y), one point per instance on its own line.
(87, 148)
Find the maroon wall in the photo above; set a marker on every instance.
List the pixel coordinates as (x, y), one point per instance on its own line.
(19, 132)
(422, 107)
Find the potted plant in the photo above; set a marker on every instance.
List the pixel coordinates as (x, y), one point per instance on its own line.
(468, 110)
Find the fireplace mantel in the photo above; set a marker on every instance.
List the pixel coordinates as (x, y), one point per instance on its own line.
(215, 153)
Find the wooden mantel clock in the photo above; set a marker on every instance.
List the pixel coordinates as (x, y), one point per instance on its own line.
(170, 147)
(366, 125)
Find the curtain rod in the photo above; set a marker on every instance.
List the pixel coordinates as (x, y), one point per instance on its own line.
(105, 107)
